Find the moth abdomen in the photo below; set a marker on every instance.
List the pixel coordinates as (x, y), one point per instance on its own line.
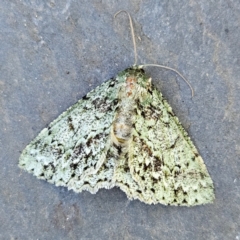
(122, 128)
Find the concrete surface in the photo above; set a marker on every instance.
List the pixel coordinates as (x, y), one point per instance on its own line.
(53, 52)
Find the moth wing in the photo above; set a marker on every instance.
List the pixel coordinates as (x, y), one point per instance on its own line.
(74, 146)
(163, 160)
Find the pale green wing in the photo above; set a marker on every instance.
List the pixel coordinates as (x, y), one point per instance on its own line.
(164, 164)
(73, 148)
(124, 180)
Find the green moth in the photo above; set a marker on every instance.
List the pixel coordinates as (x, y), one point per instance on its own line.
(122, 133)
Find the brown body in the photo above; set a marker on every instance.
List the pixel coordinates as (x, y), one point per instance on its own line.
(122, 125)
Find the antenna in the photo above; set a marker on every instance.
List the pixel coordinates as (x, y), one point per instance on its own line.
(132, 33)
(150, 65)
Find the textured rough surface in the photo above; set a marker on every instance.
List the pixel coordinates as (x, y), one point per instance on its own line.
(53, 53)
(74, 146)
(123, 133)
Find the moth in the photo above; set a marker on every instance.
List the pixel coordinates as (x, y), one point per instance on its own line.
(123, 133)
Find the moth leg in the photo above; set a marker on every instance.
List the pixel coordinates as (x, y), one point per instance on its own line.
(93, 170)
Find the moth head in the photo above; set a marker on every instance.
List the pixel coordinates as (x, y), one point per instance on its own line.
(137, 83)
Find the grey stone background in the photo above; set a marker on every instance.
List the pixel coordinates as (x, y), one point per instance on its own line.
(53, 52)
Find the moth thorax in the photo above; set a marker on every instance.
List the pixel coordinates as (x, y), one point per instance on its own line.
(130, 85)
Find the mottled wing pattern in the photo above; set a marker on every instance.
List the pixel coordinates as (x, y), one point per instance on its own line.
(73, 148)
(163, 164)
(124, 180)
